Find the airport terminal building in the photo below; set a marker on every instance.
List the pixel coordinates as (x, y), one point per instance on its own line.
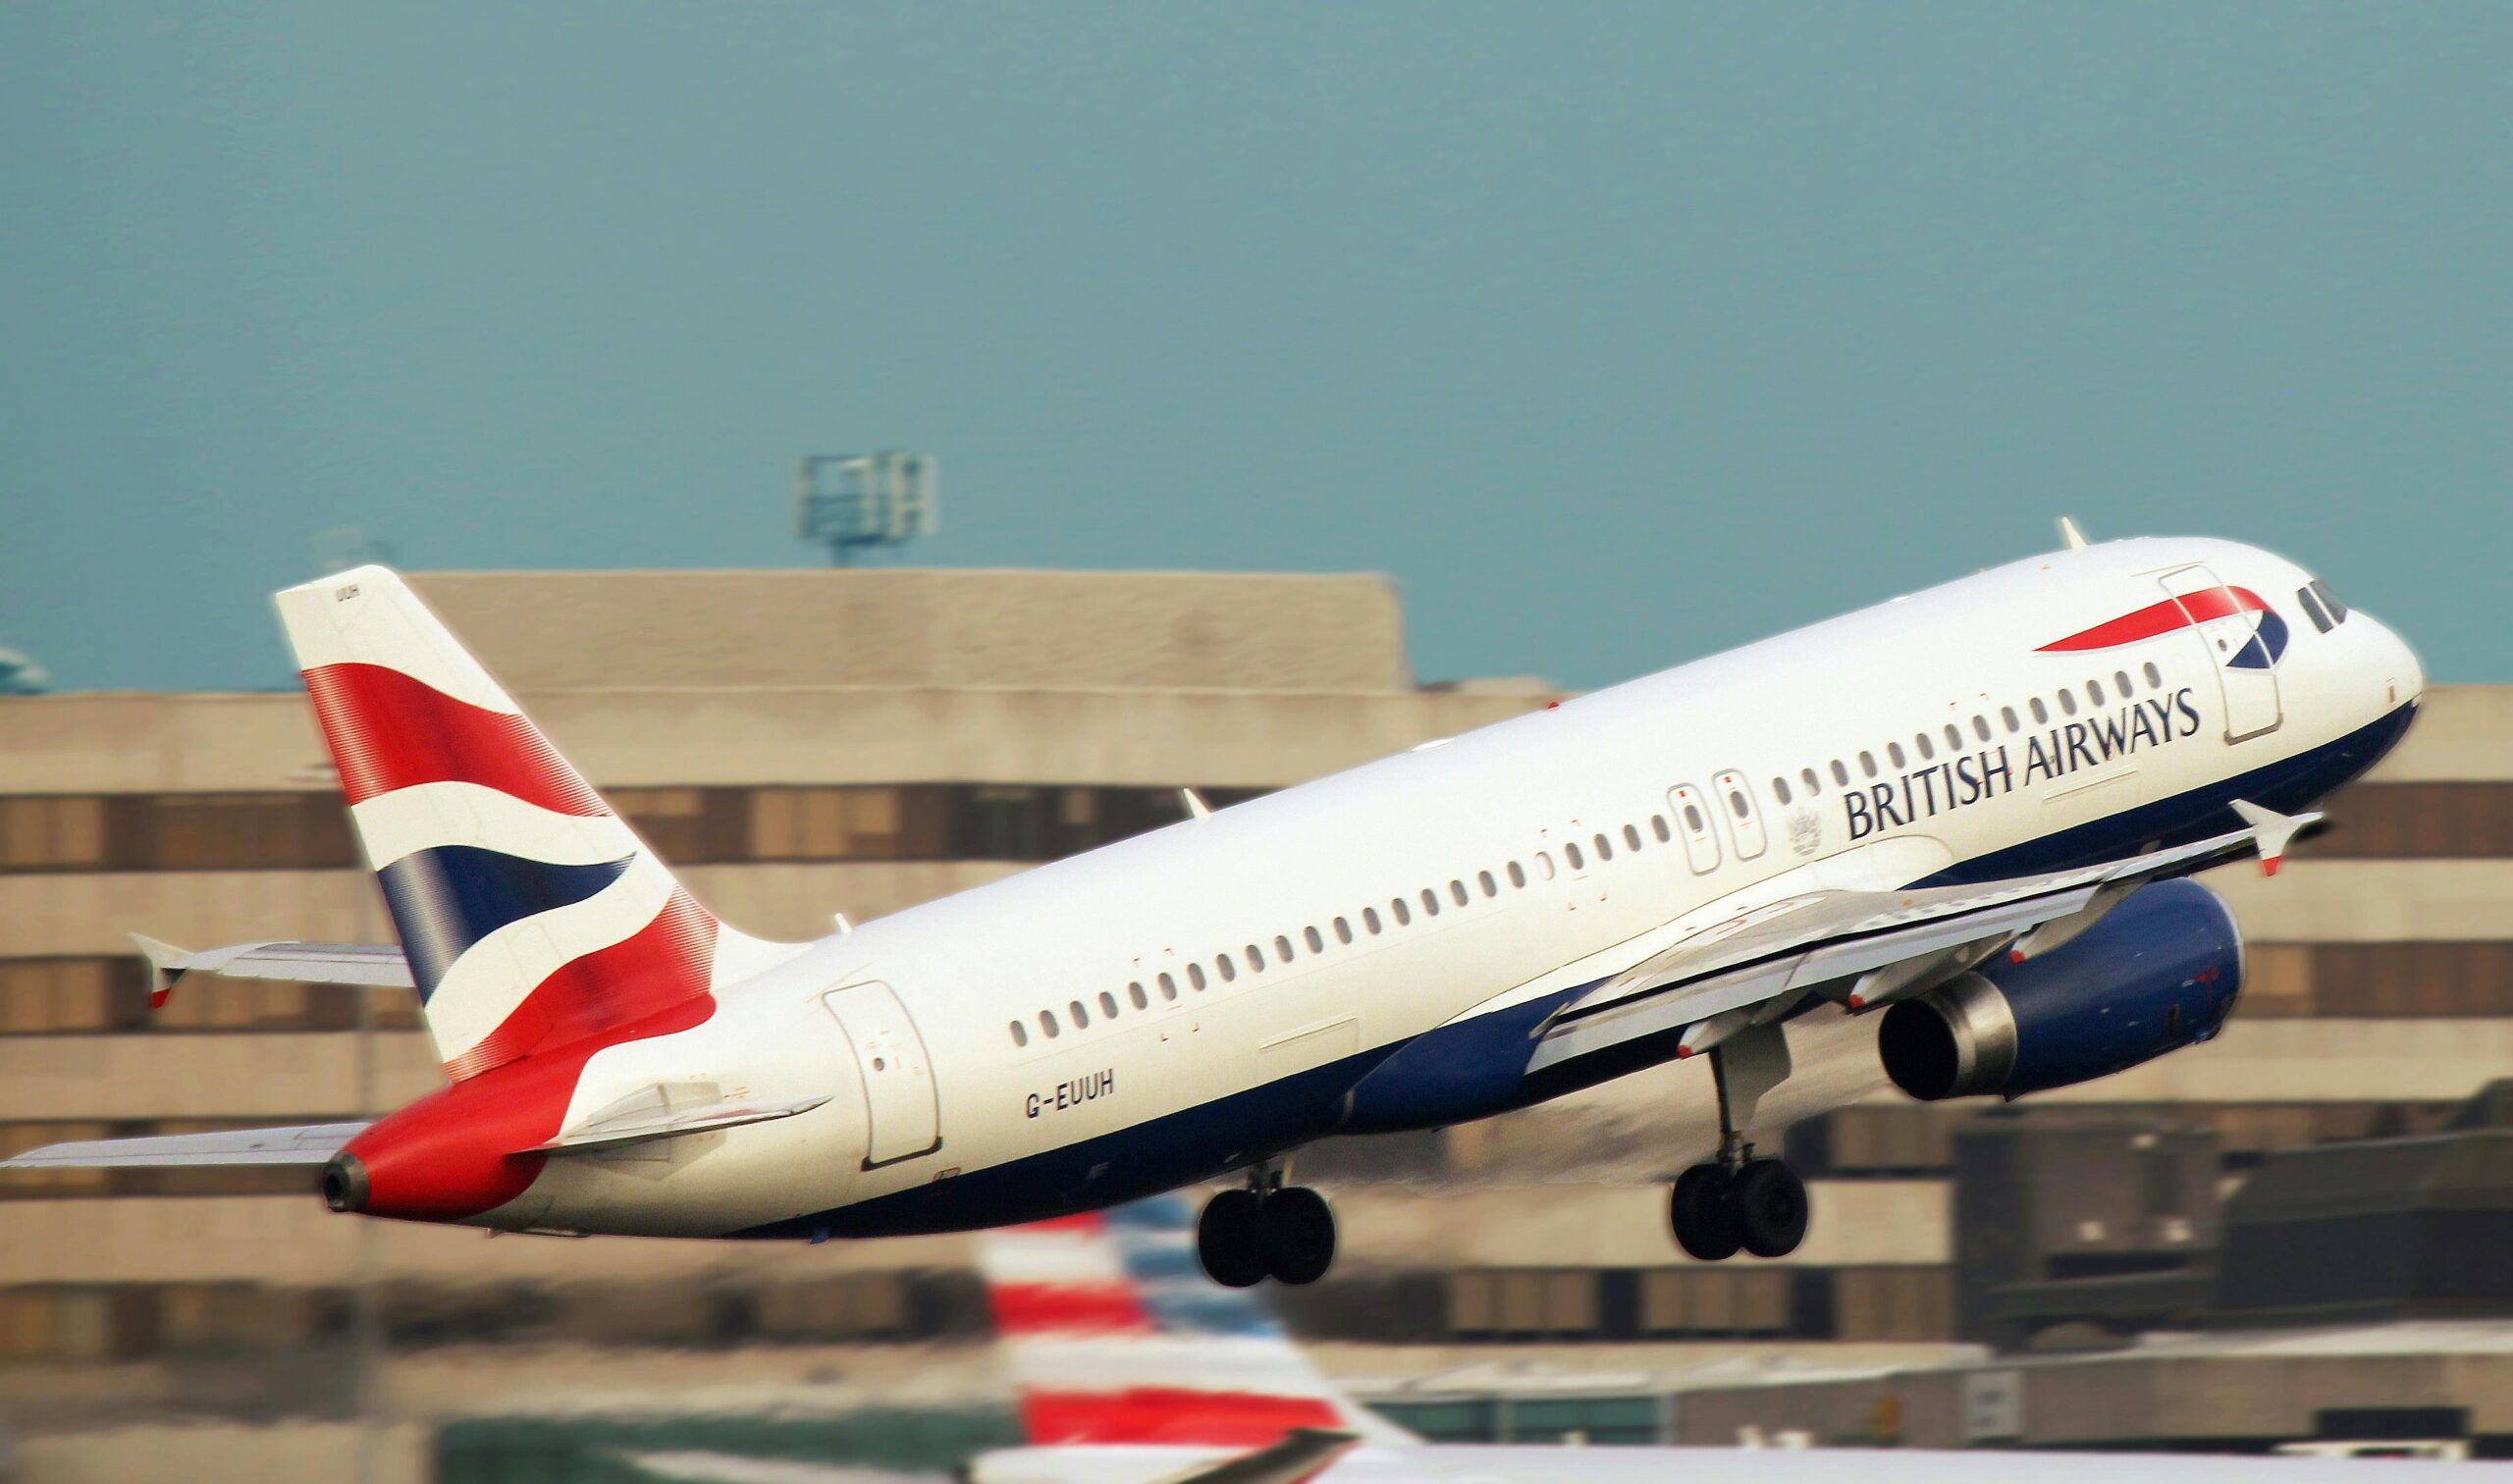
(815, 742)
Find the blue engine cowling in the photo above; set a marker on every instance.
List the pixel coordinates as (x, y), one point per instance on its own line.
(2157, 972)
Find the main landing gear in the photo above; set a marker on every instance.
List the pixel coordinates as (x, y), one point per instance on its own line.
(1268, 1230)
(1736, 1200)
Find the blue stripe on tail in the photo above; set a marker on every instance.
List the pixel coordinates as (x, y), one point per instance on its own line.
(448, 898)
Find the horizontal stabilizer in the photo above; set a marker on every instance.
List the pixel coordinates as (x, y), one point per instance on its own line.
(305, 962)
(304, 1144)
(661, 1112)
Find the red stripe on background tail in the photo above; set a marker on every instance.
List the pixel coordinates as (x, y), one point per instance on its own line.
(1168, 1415)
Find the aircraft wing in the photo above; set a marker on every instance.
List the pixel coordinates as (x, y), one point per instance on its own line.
(304, 1144)
(307, 963)
(1866, 947)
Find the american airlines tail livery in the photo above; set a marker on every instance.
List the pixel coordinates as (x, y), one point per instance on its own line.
(1963, 814)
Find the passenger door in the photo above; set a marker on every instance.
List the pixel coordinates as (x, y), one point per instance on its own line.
(1745, 821)
(2236, 652)
(1692, 809)
(902, 1116)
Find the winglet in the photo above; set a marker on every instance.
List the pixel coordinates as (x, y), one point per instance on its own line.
(166, 964)
(2069, 533)
(1196, 808)
(2273, 831)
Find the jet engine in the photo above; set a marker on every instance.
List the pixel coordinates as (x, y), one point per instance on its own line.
(2157, 972)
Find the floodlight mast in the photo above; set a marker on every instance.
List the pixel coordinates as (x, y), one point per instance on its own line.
(860, 504)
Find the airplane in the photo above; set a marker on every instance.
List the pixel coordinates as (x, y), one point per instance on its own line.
(1967, 813)
(1128, 1366)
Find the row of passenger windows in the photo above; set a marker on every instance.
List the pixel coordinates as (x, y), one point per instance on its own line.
(1701, 845)
(1982, 731)
(1401, 913)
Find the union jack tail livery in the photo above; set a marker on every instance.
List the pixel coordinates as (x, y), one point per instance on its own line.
(532, 916)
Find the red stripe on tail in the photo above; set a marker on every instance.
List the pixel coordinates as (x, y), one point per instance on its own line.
(665, 963)
(388, 731)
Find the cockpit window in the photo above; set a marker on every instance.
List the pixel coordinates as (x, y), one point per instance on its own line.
(2329, 600)
(2314, 611)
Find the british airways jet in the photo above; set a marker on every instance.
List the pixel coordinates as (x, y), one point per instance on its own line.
(1964, 813)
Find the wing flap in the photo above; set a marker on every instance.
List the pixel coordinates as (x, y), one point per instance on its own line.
(304, 1144)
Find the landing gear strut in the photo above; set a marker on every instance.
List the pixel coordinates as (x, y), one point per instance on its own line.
(1738, 1201)
(1268, 1230)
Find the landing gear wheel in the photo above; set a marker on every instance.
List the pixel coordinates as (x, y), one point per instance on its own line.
(1227, 1240)
(1770, 1207)
(1296, 1231)
(1703, 1212)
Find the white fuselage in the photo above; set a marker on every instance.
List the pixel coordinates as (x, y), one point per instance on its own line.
(942, 1114)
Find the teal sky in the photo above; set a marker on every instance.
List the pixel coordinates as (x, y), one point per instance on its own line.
(1618, 335)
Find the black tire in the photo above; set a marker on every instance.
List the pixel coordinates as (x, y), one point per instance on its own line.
(1298, 1234)
(1703, 1212)
(1770, 1207)
(1226, 1240)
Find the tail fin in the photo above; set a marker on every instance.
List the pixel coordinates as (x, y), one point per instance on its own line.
(531, 915)
(1114, 1335)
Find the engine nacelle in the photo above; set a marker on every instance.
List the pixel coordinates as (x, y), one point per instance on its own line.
(2157, 972)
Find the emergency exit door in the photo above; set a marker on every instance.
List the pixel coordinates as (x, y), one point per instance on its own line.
(2236, 637)
(902, 1118)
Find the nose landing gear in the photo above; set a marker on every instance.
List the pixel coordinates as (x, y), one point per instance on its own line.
(1738, 1202)
(1268, 1230)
